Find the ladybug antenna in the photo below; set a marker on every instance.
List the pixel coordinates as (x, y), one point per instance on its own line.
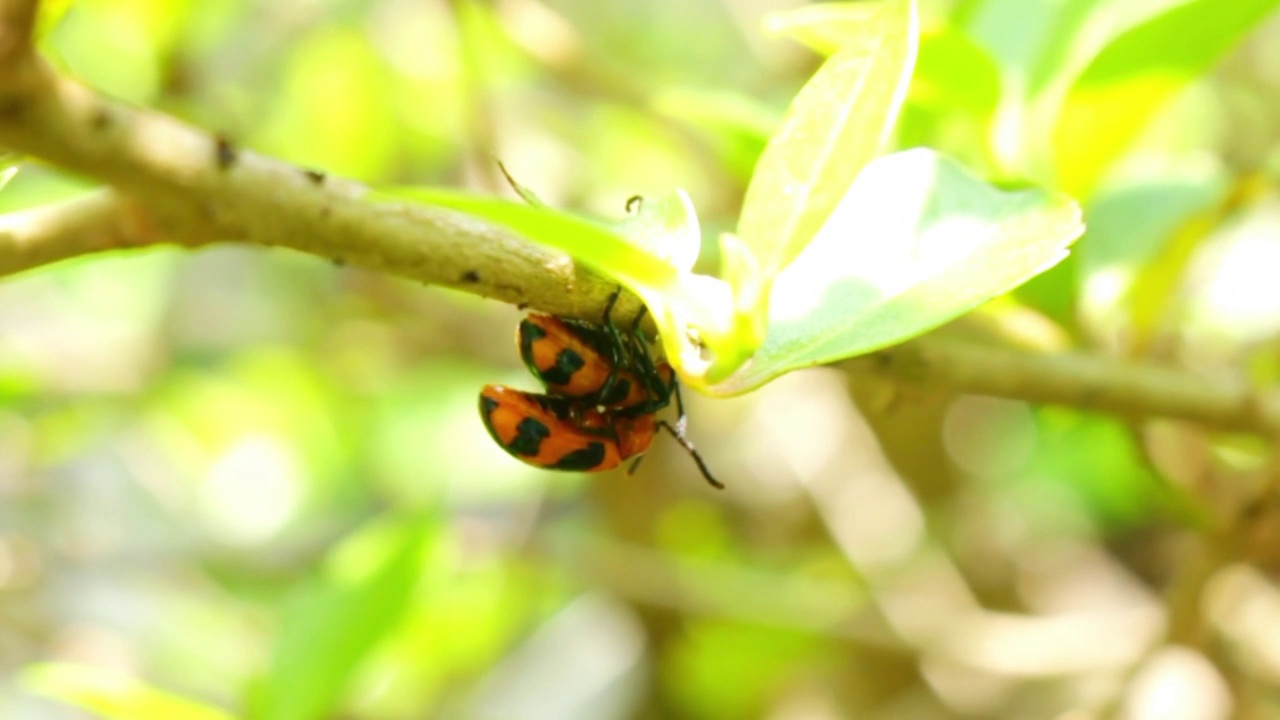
(688, 446)
(677, 432)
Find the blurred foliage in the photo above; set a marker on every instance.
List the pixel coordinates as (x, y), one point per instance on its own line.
(252, 484)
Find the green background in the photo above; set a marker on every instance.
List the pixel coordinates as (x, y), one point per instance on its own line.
(257, 481)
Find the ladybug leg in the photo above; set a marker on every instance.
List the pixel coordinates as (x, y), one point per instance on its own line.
(635, 323)
(615, 349)
(642, 363)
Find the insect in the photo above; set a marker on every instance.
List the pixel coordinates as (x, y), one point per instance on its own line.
(555, 433)
(603, 392)
(596, 364)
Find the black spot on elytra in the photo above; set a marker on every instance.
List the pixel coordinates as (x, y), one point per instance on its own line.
(315, 176)
(568, 362)
(529, 333)
(529, 436)
(223, 152)
(470, 276)
(581, 459)
(487, 405)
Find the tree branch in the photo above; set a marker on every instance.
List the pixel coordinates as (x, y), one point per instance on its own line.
(200, 188)
(1088, 382)
(97, 222)
(17, 20)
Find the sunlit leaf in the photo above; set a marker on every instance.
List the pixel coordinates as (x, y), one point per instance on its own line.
(332, 626)
(837, 123)
(1132, 78)
(595, 244)
(112, 695)
(916, 242)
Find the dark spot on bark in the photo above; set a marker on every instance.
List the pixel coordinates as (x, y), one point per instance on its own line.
(315, 176)
(470, 276)
(101, 119)
(224, 153)
(522, 306)
(339, 262)
(326, 211)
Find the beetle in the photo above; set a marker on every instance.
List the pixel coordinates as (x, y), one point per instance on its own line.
(561, 434)
(575, 359)
(558, 433)
(595, 363)
(603, 392)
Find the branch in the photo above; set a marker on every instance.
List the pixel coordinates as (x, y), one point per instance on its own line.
(199, 188)
(97, 222)
(17, 19)
(1087, 382)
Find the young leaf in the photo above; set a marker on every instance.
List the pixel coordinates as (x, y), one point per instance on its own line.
(915, 242)
(837, 123)
(604, 248)
(1133, 77)
(113, 696)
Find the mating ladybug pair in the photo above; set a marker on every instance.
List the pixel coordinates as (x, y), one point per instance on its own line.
(604, 390)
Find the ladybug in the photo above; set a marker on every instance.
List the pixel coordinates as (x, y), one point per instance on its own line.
(603, 392)
(595, 363)
(558, 434)
(574, 359)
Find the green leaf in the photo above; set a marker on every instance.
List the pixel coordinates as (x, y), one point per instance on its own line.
(112, 695)
(838, 122)
(596, 244)
(1132, 78)
(332, 627)
(916, 242)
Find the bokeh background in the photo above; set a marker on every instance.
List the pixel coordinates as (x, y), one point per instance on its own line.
(258, 481)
